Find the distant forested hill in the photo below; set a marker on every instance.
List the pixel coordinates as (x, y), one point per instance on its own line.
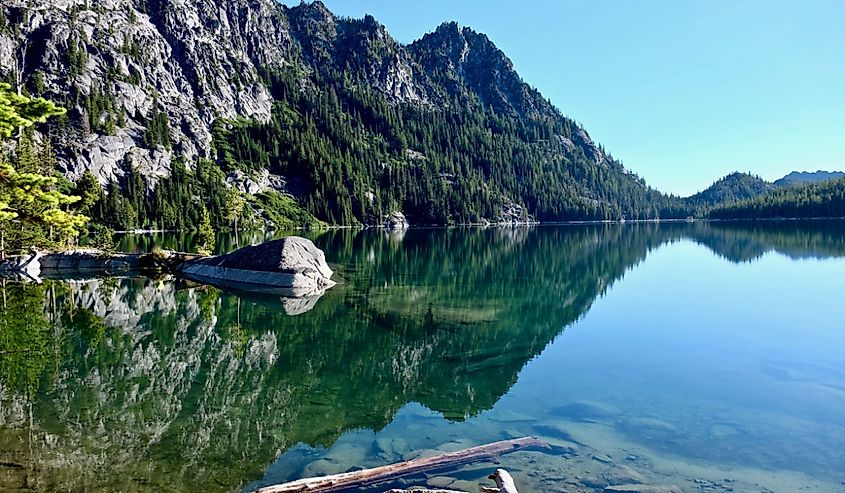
(819, 200)
(732, 188)
(797, 195)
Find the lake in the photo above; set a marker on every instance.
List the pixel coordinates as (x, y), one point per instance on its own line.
(706, 356)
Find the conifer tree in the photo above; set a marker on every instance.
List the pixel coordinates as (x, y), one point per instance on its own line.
(205, 233)
(32, 211)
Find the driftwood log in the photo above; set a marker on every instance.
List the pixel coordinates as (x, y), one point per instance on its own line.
(366, 477)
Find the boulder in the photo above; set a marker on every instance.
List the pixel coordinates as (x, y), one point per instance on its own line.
(292, 266)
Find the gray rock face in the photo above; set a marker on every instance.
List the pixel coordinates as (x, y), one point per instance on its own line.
(396, 221)
(387, 66)
(514, 214)
(292, 266)
(194, 60)
(465, 60)
(253, 184)
(582, 138)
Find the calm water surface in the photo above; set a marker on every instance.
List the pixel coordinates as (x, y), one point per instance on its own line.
(710, 357)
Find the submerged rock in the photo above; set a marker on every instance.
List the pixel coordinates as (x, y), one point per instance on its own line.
(562, 447)
(624, 475)
(323, 467)
(643, 425)
(583, 410)
(391, 448)
(643, 488)
(292, 266)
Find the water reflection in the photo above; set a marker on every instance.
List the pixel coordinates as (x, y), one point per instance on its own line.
(138, 384)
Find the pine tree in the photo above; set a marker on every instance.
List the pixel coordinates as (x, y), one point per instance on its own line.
(89, 190)
(205, 233)
(32, 211)
(235, 205)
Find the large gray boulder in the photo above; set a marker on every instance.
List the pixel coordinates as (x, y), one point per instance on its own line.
(292, 266)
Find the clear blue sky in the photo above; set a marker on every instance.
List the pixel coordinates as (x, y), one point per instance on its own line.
(682, 91)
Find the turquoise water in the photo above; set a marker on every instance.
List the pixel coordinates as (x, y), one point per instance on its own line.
(709, 357)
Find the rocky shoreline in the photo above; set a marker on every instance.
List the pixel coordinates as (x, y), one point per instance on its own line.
(293, 267)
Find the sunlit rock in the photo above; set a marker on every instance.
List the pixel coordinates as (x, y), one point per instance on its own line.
(292, 266)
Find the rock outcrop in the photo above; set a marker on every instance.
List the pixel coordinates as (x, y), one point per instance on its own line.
(513, 214)
(292, 266)
(192, 61)
(468, 62)
(396, 221)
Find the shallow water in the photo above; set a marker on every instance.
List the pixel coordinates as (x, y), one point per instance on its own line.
(710, 357)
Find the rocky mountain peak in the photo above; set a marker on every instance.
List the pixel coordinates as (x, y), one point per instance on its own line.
(467, 61)
(315, 11)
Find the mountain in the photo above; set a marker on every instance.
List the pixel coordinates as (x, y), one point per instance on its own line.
(312, 117)
(807, 177)
(734, 187)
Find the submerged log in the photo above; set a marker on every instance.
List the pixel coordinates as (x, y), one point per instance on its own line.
(366, 477)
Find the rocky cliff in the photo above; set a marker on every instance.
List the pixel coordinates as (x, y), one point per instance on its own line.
(194, 61)
(147, 81)
(201, 60)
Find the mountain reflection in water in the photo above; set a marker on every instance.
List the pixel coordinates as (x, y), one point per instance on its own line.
(139, 384)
